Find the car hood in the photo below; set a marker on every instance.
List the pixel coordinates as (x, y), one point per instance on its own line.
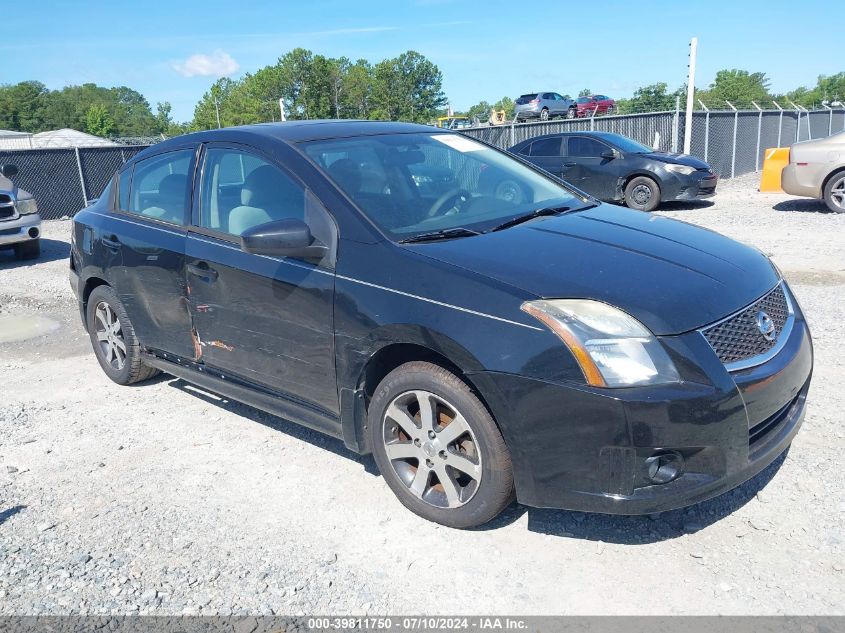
(678, 159)
(672, 276)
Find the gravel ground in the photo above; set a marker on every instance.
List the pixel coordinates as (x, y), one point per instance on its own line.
(164, 499)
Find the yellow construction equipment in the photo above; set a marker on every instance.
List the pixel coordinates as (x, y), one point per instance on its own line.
(497, 117)
(775, 159)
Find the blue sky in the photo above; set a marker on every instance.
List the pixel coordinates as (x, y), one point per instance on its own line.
(174, 51)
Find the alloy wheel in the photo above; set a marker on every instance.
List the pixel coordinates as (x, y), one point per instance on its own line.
(110, 335)
(837, 193)
(432, 449)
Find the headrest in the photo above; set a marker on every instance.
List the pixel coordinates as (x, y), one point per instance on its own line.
(346, 173)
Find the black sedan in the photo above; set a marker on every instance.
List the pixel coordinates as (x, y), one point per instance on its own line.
(615, 168)
(479, 327)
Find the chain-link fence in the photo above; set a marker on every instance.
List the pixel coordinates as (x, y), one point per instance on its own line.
(733, 142)
(63, 180)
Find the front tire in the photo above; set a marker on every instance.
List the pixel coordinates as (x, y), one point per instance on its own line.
(571, 113)
(834, 193)
(113, 338)
(438, 448)
(28, 250)
(642, 193)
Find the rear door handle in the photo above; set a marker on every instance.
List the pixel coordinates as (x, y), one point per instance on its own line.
(203, 271)
(112, 242)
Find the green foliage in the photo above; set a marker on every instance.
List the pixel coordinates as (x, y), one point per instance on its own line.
(585, 92)
(30, 107)
(651, 98)
(407, 87)
(739, 87)
(828, 89)
(98, 121)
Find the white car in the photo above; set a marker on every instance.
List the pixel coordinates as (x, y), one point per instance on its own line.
(20, 224)
(816, 169)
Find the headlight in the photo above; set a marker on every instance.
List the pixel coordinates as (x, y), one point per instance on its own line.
(686, 170)
(26, 206)
(612, 348)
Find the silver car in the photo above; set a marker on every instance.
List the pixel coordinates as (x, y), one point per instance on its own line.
(20, 224)
(816, 169)
(544, 106)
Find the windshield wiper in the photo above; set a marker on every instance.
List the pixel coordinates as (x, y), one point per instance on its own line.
(537, 213)
(444, 234)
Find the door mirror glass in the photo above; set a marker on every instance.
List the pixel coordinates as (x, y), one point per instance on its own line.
(608, 154)
(289, 237)
(9, 170)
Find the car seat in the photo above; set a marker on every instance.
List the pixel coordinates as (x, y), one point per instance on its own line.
(267, 195)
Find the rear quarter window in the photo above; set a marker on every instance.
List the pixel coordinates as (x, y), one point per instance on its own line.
(124, 180)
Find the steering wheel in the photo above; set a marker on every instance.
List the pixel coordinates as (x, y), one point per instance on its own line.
(439, 207)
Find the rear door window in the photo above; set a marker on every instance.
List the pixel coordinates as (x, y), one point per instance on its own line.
(161, 186)
(546, 147)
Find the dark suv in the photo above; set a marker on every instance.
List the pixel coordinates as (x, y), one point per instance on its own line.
(477, 326)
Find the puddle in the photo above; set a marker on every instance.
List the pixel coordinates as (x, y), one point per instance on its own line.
(20, 327)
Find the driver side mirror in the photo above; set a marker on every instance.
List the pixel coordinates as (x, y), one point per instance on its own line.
(283, 238)
(9, 170)
(609, 154)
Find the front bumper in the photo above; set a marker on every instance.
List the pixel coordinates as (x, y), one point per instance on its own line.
(21, 229)
(583, 448)
(695, 186)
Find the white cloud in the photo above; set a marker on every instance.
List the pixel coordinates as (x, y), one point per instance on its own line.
(218, 64)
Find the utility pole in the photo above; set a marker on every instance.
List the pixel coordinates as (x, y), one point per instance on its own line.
(217, 110)
(282, 109)
(693, 48)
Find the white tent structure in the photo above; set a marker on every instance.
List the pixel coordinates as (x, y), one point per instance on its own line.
(9, 139)
(69, 138)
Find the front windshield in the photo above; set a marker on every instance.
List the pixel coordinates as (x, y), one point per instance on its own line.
(410, 184)
(628, 145)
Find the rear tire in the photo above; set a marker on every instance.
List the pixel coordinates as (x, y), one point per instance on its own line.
(410, 422)
(642, 193)
(544, 114)
(834, 193)
(28, 250)
(113, 338)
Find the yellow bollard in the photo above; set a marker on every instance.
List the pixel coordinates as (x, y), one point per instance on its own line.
(776, 158)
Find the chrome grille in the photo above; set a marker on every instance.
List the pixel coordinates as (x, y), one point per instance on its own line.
(738, 338)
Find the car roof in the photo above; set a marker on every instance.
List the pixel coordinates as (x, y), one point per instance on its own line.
(605, 136)
(296, 131)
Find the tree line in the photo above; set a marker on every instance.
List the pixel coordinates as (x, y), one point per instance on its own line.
(29, 106)
(407, 88)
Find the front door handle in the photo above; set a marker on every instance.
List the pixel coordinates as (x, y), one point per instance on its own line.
(112, 242)
(203, 271)
(569, 164)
